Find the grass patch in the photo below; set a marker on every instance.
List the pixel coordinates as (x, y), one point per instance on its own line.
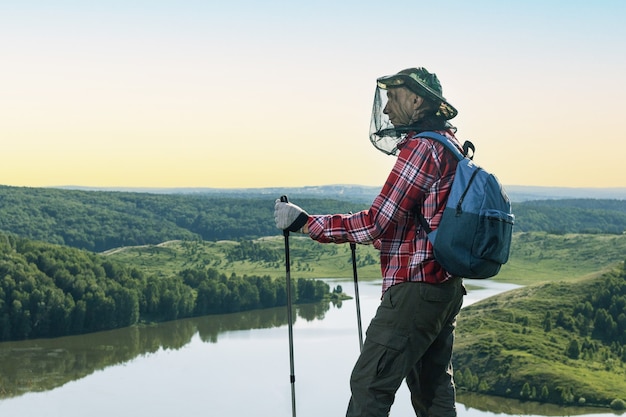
(539, 257)
(309, 259)
(535, 257)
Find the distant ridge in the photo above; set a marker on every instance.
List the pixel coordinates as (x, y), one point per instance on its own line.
(100, 220)
(366, 194)
(527, 192)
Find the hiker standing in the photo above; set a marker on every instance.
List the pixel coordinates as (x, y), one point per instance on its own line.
(412, 333)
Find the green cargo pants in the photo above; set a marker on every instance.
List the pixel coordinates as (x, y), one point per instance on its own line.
(411, 336)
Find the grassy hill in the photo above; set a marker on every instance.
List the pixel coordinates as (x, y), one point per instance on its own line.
(309, 259)
(538, 256)
(513, 345)
(535, 257)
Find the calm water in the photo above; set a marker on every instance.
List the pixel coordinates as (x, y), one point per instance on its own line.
(229, 365)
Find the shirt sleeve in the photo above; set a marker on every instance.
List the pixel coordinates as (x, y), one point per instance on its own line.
(412, 176)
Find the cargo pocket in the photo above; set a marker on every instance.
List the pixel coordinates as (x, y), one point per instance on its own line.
(392, 345)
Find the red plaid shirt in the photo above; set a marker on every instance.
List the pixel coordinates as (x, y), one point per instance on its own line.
(421, 177)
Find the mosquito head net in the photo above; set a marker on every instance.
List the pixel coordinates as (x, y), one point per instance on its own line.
(384, 135)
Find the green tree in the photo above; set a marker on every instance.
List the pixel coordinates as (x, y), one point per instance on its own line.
(573, 349)
(603, 325)
(468, 379)
(567, 397)
(618, 404)
(267, 291)
(458, 378)
(483, 386)
(547, 322)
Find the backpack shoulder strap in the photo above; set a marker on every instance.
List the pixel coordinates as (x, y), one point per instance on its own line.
(449, 145)
(445, 141)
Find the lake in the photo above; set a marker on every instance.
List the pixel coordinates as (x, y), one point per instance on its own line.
(226, 365)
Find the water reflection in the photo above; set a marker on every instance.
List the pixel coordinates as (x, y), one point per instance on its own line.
(44, 364)
(485, 406)
(202, 366)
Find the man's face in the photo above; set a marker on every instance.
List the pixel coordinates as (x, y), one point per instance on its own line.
(402, 105)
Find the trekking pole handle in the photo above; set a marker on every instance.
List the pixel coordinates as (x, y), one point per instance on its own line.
(284, 199)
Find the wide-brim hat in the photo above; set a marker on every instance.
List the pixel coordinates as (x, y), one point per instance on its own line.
(422, 83)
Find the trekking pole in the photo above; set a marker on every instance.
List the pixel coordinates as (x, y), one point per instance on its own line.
(292, 376)
(356, 294)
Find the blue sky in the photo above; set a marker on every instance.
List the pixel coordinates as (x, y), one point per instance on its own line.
(279, 93)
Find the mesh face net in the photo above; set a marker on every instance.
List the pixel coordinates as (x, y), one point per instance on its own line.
(384, 135)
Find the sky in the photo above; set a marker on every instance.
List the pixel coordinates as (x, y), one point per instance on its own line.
(241, 94)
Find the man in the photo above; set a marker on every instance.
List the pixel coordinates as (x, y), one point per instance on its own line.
(412, 333)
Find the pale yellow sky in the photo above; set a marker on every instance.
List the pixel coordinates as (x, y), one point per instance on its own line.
(246, 94)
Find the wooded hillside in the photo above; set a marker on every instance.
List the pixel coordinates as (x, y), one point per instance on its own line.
(49, 290)
(571, 216)
(102, 220)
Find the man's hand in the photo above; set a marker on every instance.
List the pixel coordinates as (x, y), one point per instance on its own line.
(289, 216)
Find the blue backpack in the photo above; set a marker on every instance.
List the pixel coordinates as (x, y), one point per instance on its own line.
(473, 239)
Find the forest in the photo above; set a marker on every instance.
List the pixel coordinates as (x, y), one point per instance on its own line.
(101, 220)
(49, 290)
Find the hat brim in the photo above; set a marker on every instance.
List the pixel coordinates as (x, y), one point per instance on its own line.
(414, 84)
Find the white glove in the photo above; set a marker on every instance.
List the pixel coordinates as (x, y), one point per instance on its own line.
(289, 216)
